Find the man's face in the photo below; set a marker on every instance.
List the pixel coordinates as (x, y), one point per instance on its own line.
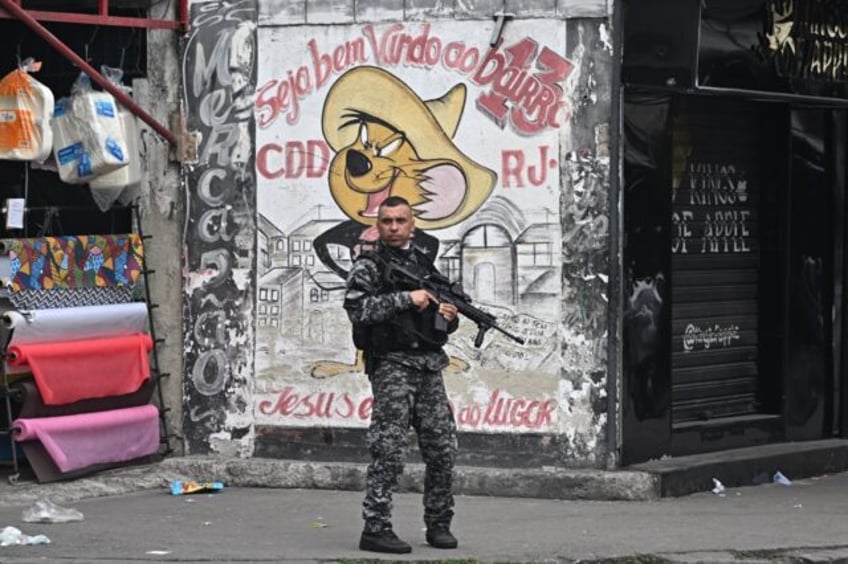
(395, 225)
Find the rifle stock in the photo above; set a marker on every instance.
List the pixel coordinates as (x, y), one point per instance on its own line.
(444, 290)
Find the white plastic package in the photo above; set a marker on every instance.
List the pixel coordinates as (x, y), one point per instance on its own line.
(88, 133)
(26, 107)
(107, 188)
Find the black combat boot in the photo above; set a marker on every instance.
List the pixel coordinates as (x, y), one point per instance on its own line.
(439, 536)
(383, 541)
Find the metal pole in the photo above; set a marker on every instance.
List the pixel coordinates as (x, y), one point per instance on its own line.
(183, 16)
(106, 84)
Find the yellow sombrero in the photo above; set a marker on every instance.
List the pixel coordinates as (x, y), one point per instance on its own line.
(428, 125)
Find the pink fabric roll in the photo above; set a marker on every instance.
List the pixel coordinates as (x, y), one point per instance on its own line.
(78, 441)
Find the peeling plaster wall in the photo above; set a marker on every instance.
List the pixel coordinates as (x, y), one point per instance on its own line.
(585, 213)
(220, 256)
(162, 211)
(219, 232)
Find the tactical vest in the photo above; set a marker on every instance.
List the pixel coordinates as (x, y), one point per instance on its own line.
(409, 330)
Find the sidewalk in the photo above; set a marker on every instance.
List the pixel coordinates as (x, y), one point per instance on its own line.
(804, 522)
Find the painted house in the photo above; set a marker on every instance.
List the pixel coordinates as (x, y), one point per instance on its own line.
(271, 245)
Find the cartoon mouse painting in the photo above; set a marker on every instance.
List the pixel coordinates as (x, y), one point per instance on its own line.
(389, 142)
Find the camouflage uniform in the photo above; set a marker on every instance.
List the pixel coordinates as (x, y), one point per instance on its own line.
(408, 390)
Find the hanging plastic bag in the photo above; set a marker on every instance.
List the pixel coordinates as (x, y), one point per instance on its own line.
(107, 188)
(26, 107)
(88, 135)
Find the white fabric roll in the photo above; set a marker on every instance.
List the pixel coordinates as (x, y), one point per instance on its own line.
(75, 323)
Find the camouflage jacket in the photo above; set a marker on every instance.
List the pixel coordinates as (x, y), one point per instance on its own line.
(368, 304)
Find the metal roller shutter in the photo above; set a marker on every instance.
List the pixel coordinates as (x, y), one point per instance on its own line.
(715, 260)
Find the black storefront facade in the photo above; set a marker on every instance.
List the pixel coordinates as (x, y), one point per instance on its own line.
(734, 121)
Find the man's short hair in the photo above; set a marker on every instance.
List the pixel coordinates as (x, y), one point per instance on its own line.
(394, 201)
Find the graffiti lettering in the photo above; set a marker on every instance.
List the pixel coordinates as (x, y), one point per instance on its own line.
(214, 322)
(217, 265)
(364, 410)
(694, 336)
(214, 13)
(321, 405)
(210, 373)
(513, 168)
(204, 187)
(295, 159)
(499, 412)
(217, 67)
(215, 108)
(531, 101)
(507, 412)
(395, 47)
(344, 56)
(280, 96)
(206, 418)
(219, 191)
(519, 412)
(219, 148)
(525, 83)
(212, 226)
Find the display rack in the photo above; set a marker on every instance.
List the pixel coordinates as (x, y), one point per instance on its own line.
(10, 388)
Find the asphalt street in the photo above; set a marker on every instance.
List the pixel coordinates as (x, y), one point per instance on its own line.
(806, 520)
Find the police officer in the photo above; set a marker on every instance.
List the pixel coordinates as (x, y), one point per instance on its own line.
(401, 332)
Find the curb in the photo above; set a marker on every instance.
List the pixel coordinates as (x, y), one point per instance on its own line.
(546, 483)
(811, 555)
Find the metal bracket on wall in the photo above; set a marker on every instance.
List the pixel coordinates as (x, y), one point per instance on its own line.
(188, 142)
(13, 8)
(500, 22)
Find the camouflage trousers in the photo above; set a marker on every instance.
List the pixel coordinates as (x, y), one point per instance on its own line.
(405, 397)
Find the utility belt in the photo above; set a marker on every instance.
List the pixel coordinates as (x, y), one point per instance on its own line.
(408, 331)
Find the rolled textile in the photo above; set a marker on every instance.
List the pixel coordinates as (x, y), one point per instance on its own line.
(76, 323)
(73, 323)
(27, 402)
(78, 441)
(80, 261)
(69, 371)
(70, 297)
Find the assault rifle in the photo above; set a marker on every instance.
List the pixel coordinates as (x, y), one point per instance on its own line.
(446, 291)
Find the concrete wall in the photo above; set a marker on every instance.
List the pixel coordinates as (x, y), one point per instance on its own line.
(219, 233)
(522, 128)
(162, 215)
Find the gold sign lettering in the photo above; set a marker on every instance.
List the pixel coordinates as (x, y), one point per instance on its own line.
(807, 38)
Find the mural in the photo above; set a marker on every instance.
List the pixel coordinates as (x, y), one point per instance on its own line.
(470, 134)
(219, 80)
(387, 141)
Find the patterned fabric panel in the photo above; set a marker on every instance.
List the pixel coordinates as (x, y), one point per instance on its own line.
(64, 297)
(83, 261)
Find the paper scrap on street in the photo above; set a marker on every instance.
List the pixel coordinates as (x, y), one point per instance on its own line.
(183, 487)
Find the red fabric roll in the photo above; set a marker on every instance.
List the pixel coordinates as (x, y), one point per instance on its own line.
(69, 371)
